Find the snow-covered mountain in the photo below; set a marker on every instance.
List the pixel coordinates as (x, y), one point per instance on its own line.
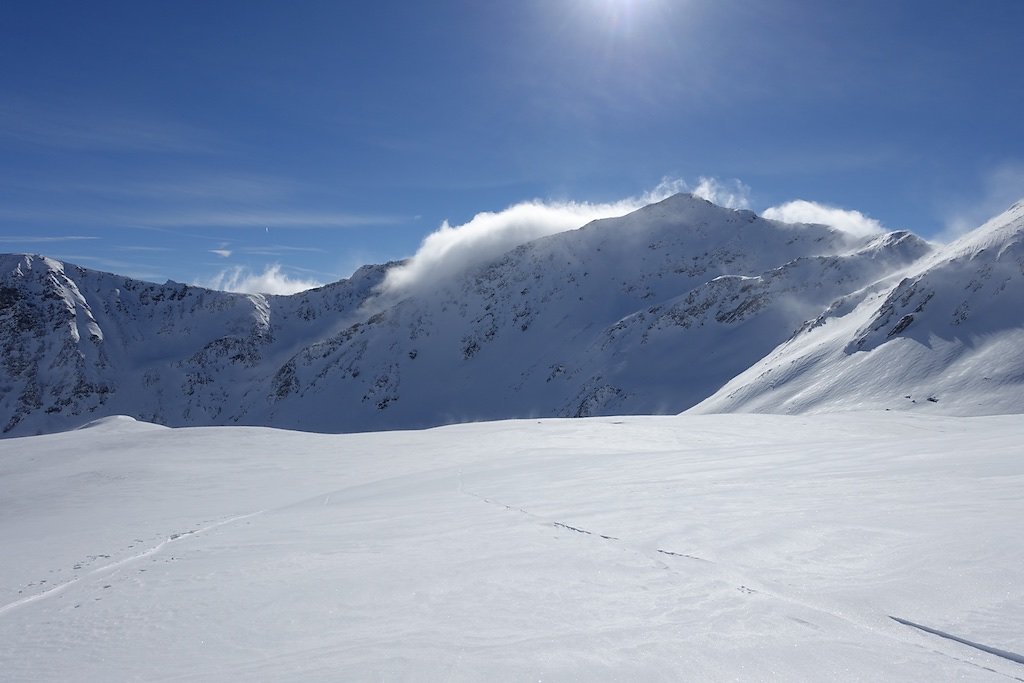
(948, 337)
(652, 312)
(78, 343)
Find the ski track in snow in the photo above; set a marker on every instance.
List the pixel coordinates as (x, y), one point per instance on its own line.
(744, 588)
(1005, 654)
(114, 566)
(748, 579)
(325, 499)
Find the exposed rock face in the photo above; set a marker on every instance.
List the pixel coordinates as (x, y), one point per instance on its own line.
(78, 344)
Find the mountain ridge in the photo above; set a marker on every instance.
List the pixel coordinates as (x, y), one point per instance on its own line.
(656, 311)
(950, 333)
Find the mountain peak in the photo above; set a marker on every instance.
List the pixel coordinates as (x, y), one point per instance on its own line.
(682, 201)
(681, 198)
(25, 263)
(997, 233)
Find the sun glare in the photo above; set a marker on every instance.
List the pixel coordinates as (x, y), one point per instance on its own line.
(620, 17)
(619, 14)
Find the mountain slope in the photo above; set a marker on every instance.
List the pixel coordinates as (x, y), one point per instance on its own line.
(78, 344)
(647, 313)
(555, 326)
(948, 337)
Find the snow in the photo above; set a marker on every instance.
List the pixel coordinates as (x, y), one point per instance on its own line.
(854, 546)
(651, 312)
(826, 544)
(944, 336)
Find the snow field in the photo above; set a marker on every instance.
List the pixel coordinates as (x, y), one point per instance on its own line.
(749, 547)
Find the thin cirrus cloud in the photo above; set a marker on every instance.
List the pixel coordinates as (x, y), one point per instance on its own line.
(142, 248)
(219, 187)
(126, 268)
(84, 129)
(44, 239)
(270, 219)
(157, 218)
(198, 189)
(283, 247)
(278, 250)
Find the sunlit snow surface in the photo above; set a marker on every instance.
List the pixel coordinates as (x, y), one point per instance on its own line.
(745, 547)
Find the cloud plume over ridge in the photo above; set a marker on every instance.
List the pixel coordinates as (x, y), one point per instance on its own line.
(453, 249)
(802, 211)
(273, 280)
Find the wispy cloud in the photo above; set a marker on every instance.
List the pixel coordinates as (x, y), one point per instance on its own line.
(1001, 187)
(141, 248)
(273, 280)
(170, 189)
(215, 186)
(222, 250)
(802, 211)
(282, 247)
(279, 250)
(89, 128)
(125, 268)
(260, 219)
(161, 218)
(44, 239)
(731, 194)
(313, 271)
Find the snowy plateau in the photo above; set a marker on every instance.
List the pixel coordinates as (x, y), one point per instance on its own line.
(661, 548)
(694, 444)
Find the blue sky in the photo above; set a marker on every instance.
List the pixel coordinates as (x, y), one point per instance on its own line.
(209, 141)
